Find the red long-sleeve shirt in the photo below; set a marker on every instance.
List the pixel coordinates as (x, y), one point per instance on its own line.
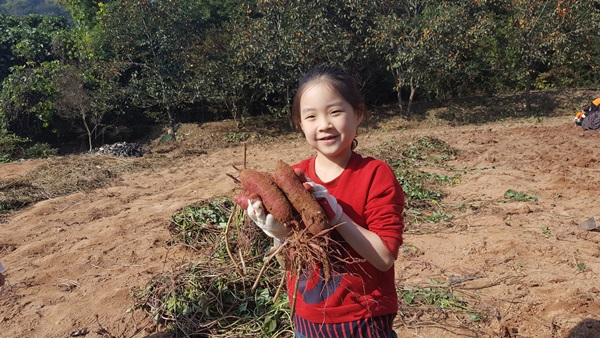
(371, 196)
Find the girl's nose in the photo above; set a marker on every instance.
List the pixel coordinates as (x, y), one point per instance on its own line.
(324, 123)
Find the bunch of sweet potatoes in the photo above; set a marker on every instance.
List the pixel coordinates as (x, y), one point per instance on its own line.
(284, 196)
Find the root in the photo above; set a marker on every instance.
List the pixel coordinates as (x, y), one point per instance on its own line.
(293, 304)
(281, 284)
(268, 259)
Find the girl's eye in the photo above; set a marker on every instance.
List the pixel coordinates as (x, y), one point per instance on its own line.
(336, 112)
(309, 117)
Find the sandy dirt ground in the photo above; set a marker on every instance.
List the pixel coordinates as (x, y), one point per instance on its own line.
(72, 261)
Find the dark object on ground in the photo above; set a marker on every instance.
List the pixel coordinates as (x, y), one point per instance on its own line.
(591, 121)
(589, 225)
(587, 328)
(122, 149)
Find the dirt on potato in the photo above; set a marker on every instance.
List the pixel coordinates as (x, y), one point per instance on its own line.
(523, 264)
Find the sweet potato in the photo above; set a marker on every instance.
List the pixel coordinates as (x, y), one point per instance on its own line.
(242, 197)
(313, 216)
(261, 183)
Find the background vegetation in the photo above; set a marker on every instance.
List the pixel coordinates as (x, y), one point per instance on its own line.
(108, 69)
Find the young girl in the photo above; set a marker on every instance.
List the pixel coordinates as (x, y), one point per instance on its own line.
(365, 202)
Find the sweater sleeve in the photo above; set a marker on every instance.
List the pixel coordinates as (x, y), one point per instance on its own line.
(384, 208)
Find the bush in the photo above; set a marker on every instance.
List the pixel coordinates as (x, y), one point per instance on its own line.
(13, 147)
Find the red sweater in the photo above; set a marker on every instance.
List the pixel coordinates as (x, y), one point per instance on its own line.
(371, 196)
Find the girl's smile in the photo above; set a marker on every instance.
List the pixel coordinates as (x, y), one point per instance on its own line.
(328, 138)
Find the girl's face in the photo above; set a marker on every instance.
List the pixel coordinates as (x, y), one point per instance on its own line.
(328, 122)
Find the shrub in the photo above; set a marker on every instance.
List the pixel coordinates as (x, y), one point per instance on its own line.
(14, 147)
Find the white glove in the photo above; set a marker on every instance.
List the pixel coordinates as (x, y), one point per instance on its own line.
(272, 227)
(327, 201)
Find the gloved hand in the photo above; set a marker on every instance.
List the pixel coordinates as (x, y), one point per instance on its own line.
(272, 227)
(327, 201)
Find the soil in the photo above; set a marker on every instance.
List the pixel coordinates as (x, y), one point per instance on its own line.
(71, 261)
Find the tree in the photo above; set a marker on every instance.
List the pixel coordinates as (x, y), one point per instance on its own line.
(28, 39)
(545, 33)
(7, 58)
(85, 99)
(25, 7)
(274, 42)
(436, 47)
(576, 40)
(28, 90)
(458, 45)
(27, 100)
(73, 102)
(153, 44)
(398, 35)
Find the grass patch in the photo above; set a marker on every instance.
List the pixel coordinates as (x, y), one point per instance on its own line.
(59, 176)
(17, 194)
(215, 296)
(199, 225)
(201, 300)
(435, 301)
(514, 196)
(421, 170)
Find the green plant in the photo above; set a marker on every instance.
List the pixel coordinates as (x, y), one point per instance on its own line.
(416, 184)
(39, 150)
(438, 216)
(202, 299)
(581, 266)
(13, 147)
(411, 250)
(546, 231)
(236, 137)
(513, 195)
(199, 225)
(430, 149)
(421, 187)
(216, 297)
(439, 296)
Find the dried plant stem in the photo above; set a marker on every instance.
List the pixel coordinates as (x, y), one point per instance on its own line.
(244, 155)
(293, 305)
(231, 216)
(265, 264)
(281, 284)
(242, 261)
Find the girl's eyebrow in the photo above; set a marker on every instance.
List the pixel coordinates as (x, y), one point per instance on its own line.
(338, 103)
(330, 105)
